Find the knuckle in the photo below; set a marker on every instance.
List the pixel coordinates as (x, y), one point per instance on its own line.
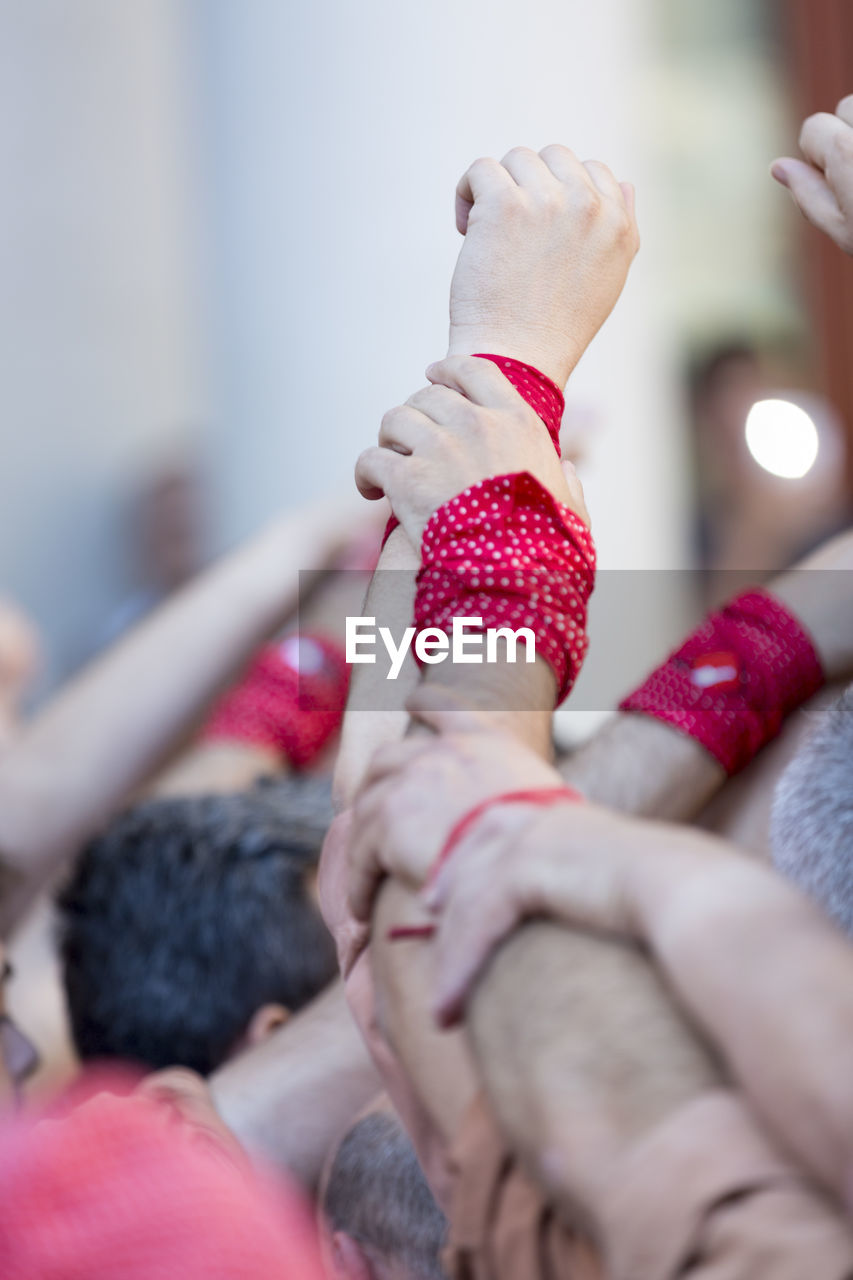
(459, 365)
(841, 150)
(587, 202)
(814, 124)
(389, 417)
(556, 151)
(518, 153)
(622, 224)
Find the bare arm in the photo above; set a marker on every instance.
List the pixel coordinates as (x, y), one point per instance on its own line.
(752, 963)
(288, 1098)
(376, 711)
(641, 766)
(109, 728)
(784, 1023)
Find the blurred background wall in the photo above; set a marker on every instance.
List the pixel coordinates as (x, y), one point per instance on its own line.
(227, 239)
(101, 328)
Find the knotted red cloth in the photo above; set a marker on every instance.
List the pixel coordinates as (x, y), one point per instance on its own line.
(539, 391)
(735, 679)
(505, 550)
(291, 699)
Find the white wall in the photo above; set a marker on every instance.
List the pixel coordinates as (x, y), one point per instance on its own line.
(99, 325)
(334, 134)
(239, 216)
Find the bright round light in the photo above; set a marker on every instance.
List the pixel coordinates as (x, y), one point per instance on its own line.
(781, 438)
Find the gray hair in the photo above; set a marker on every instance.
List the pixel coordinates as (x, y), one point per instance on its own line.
(378, 1195)
(811, 824)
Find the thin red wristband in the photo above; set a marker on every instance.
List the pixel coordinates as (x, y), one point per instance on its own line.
(541, 796)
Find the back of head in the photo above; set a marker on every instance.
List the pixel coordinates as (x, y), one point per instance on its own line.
(376, 1193)
(811, 831)
(184, 918)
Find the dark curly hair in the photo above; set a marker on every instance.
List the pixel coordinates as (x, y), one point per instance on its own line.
(185, 916)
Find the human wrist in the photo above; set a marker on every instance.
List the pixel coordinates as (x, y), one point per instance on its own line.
(547, 353)
(506, 550)
(735, 679)
(826, 615)
(688, 894)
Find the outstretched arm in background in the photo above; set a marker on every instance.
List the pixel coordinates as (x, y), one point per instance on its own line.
(106, 731)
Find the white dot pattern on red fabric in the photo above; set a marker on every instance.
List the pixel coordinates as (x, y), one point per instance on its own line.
(539, 391)
(281, 704)
(778, 671)
(547, 568)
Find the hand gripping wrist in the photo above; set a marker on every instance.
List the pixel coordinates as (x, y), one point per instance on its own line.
(543, 395)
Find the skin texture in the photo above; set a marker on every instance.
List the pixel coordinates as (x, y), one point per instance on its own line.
(679, 892)
(548, 245)
(412, 1057)
(635, 764)
(656, 1068)
(288, 1098)
(470, 423)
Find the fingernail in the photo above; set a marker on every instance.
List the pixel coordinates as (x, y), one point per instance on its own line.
(431, 368)
(780, 173)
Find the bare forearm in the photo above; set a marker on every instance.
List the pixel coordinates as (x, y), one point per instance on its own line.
(429, 1074)
(376, 711)
(109, 728)
(582, 1052)
(289, 1098)
(819, 592)
(771, 983)
(640, 766)
(403, 975)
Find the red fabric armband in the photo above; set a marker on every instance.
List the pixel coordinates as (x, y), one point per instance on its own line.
(507, 551)
(735, 679)
(539, 391)
(291, 699)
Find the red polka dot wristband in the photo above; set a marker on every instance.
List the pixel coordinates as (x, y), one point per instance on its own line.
(291, 699)
(506, 551)
(542, 797)
(539, 391)
(735, 679)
